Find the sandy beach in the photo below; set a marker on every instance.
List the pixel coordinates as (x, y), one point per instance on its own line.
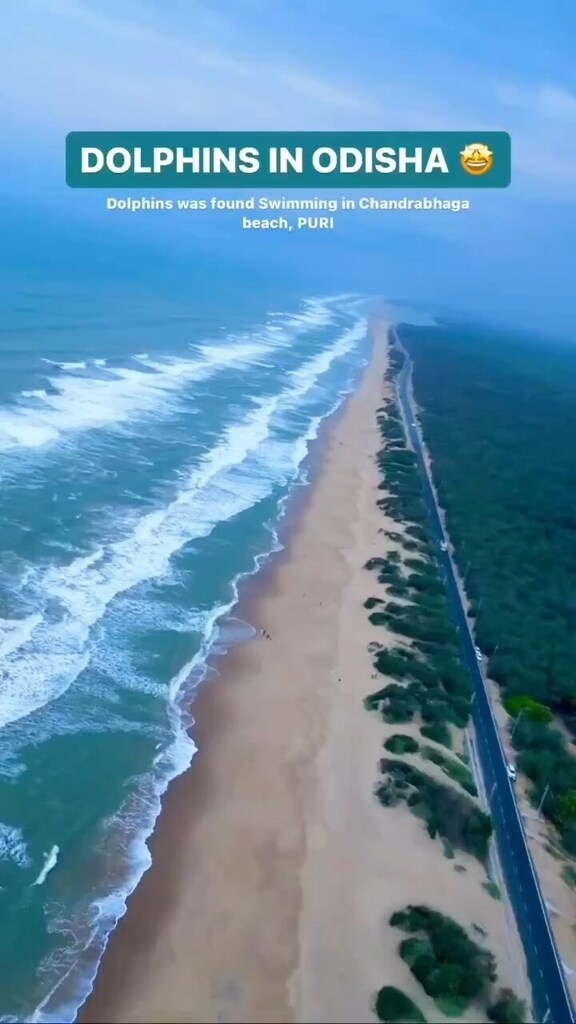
(275, 869)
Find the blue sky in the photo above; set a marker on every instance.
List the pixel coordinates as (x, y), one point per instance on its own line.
(309, 64)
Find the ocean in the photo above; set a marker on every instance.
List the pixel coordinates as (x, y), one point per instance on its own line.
(145, 463)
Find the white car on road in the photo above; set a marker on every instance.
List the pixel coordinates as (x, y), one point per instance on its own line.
(443, 545)
(511, 772)
(478, 653)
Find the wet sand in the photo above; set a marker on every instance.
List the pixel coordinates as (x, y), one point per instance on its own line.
(275, 869)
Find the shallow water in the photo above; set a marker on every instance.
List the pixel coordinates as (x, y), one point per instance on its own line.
(143, 474)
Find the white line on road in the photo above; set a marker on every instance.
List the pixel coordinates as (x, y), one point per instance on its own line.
(538, 892)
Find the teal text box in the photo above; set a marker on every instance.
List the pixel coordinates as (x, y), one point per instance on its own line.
(263, 160)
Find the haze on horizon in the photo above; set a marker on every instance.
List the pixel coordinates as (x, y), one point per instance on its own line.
(82, 64)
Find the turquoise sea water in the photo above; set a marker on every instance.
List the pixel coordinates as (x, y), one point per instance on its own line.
(145, 461)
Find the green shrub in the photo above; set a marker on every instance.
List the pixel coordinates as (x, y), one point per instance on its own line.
(507, 1008)
(400, 743)
(448, 813)
(373, 700)
(393, 690)
(455, 770)
(389, 794)
(397, 711)
(569, 874)
(492, 889)
(516, 706)
(439, 732)
(394, 1007)
(460, 706)
(391, 663)
(375, 563)
(414, 949)
(451, 968)
(433, 711)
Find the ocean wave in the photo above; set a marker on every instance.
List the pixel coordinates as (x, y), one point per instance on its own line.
(12, 846)
(14, 633)
(125, 836)
(75, 597)
(86, 931)
(65, 366)
(134, 823)
(76, 402)
(267, 447)
(79, 403)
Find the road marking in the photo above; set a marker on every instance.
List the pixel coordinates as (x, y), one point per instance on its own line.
(404, 380)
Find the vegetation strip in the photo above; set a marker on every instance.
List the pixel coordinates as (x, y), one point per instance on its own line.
(427, 685)
(506, 408)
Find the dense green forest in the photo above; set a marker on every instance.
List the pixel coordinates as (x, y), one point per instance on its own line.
(499, 417)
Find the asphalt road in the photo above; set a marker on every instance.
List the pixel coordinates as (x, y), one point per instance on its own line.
(550, 998)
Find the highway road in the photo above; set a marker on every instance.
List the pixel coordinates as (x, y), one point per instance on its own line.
(550, 997)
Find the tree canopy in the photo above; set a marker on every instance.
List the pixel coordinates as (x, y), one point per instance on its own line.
(499, 417)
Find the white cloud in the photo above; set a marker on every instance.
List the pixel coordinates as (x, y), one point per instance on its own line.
(544, 137)
(542, 101)
(80, 68)
(83, 64)
(557, 102)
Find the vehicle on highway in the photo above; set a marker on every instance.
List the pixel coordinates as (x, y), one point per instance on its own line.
(511, 772)
(413, 423)
(443, 545)
(478, 653)
(550, 996)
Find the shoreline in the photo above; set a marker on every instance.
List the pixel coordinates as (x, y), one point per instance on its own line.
(232, 628)
(149, 906)
(274, 867)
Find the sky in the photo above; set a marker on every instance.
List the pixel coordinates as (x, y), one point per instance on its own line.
(304, 64)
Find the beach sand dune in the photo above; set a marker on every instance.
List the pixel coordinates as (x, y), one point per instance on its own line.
(275, 869)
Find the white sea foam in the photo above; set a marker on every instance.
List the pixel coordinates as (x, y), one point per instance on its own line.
(77, 402)
(15, 632)
(12, 846)
(132, 830)
(87, 403)
(237, 471)
(48, 866)
(220, 487)
(65, 366)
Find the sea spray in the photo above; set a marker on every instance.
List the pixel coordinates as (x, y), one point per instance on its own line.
(170, 516)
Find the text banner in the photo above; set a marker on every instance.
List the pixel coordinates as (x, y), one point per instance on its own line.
(455, 160)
